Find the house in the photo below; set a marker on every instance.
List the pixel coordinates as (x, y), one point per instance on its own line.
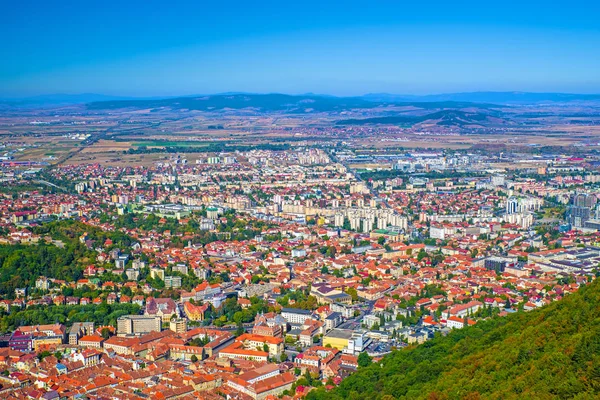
(236, 351)
(95, 341)
(347, 340)
(309, 330)
(458, 323)
(194, 312)
(21, 341)
(40, 335)
(295, 315)
(79, 329)
(161, 307)
(272, 386)
(371, 320)
(88, 357)
(273, 345)
(333, 320)
(325, 294)
(462, 310)
(265, 326)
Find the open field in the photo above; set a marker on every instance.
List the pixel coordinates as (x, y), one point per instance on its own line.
(169, 143)
(43, 135)
(107, 146)
(121, 160)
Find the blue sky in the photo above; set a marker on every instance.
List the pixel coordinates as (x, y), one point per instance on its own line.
(154, 48)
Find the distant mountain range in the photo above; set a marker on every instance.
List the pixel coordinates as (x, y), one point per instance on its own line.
(487, 97)
(275, 102)
(263, 102)
(309, 101)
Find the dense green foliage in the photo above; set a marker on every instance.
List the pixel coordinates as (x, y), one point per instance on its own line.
(210, 148)
(232, 312)
(301, 300)
(103, 314)
(234, 228)
(21, 265)
(549, 353)
(395, 173)
(69, 232)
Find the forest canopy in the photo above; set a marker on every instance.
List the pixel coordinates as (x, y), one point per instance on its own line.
(548, 353)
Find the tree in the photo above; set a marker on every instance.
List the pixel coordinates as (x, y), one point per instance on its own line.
(364, 360)
(239, 330)
(331, 251)
(43, 355)
(353, 293)
(105, 332)
(126, 290)
(193, 358)
(524, 351)
(238, 317)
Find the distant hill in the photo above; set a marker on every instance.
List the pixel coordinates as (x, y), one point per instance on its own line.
(486, 97)
(264, 102)
(548, 353)
(271, 102)
(442, 118)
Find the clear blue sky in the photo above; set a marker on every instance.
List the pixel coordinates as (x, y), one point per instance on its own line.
(147, 47)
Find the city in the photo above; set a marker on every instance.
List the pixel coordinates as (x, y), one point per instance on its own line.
(302, 200)
(257, 273)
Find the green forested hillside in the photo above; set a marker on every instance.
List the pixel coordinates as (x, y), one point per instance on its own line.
(549, 353)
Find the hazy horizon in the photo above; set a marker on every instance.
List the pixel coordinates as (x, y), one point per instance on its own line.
(158, 96)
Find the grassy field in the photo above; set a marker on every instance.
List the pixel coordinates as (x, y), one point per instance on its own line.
(111, 146)
(167, 143)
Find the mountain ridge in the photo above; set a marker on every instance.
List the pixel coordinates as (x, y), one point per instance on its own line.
(275, 102)
(475, 98)
(514, 97)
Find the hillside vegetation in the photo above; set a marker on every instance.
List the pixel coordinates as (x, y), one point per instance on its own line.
(549, 353)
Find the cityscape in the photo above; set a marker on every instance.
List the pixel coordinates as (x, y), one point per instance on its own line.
(279, 244)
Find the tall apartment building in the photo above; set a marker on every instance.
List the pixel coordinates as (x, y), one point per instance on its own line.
(512, 205)
(581, 209)
(78, 330)
(178, 325)
(138, 324)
